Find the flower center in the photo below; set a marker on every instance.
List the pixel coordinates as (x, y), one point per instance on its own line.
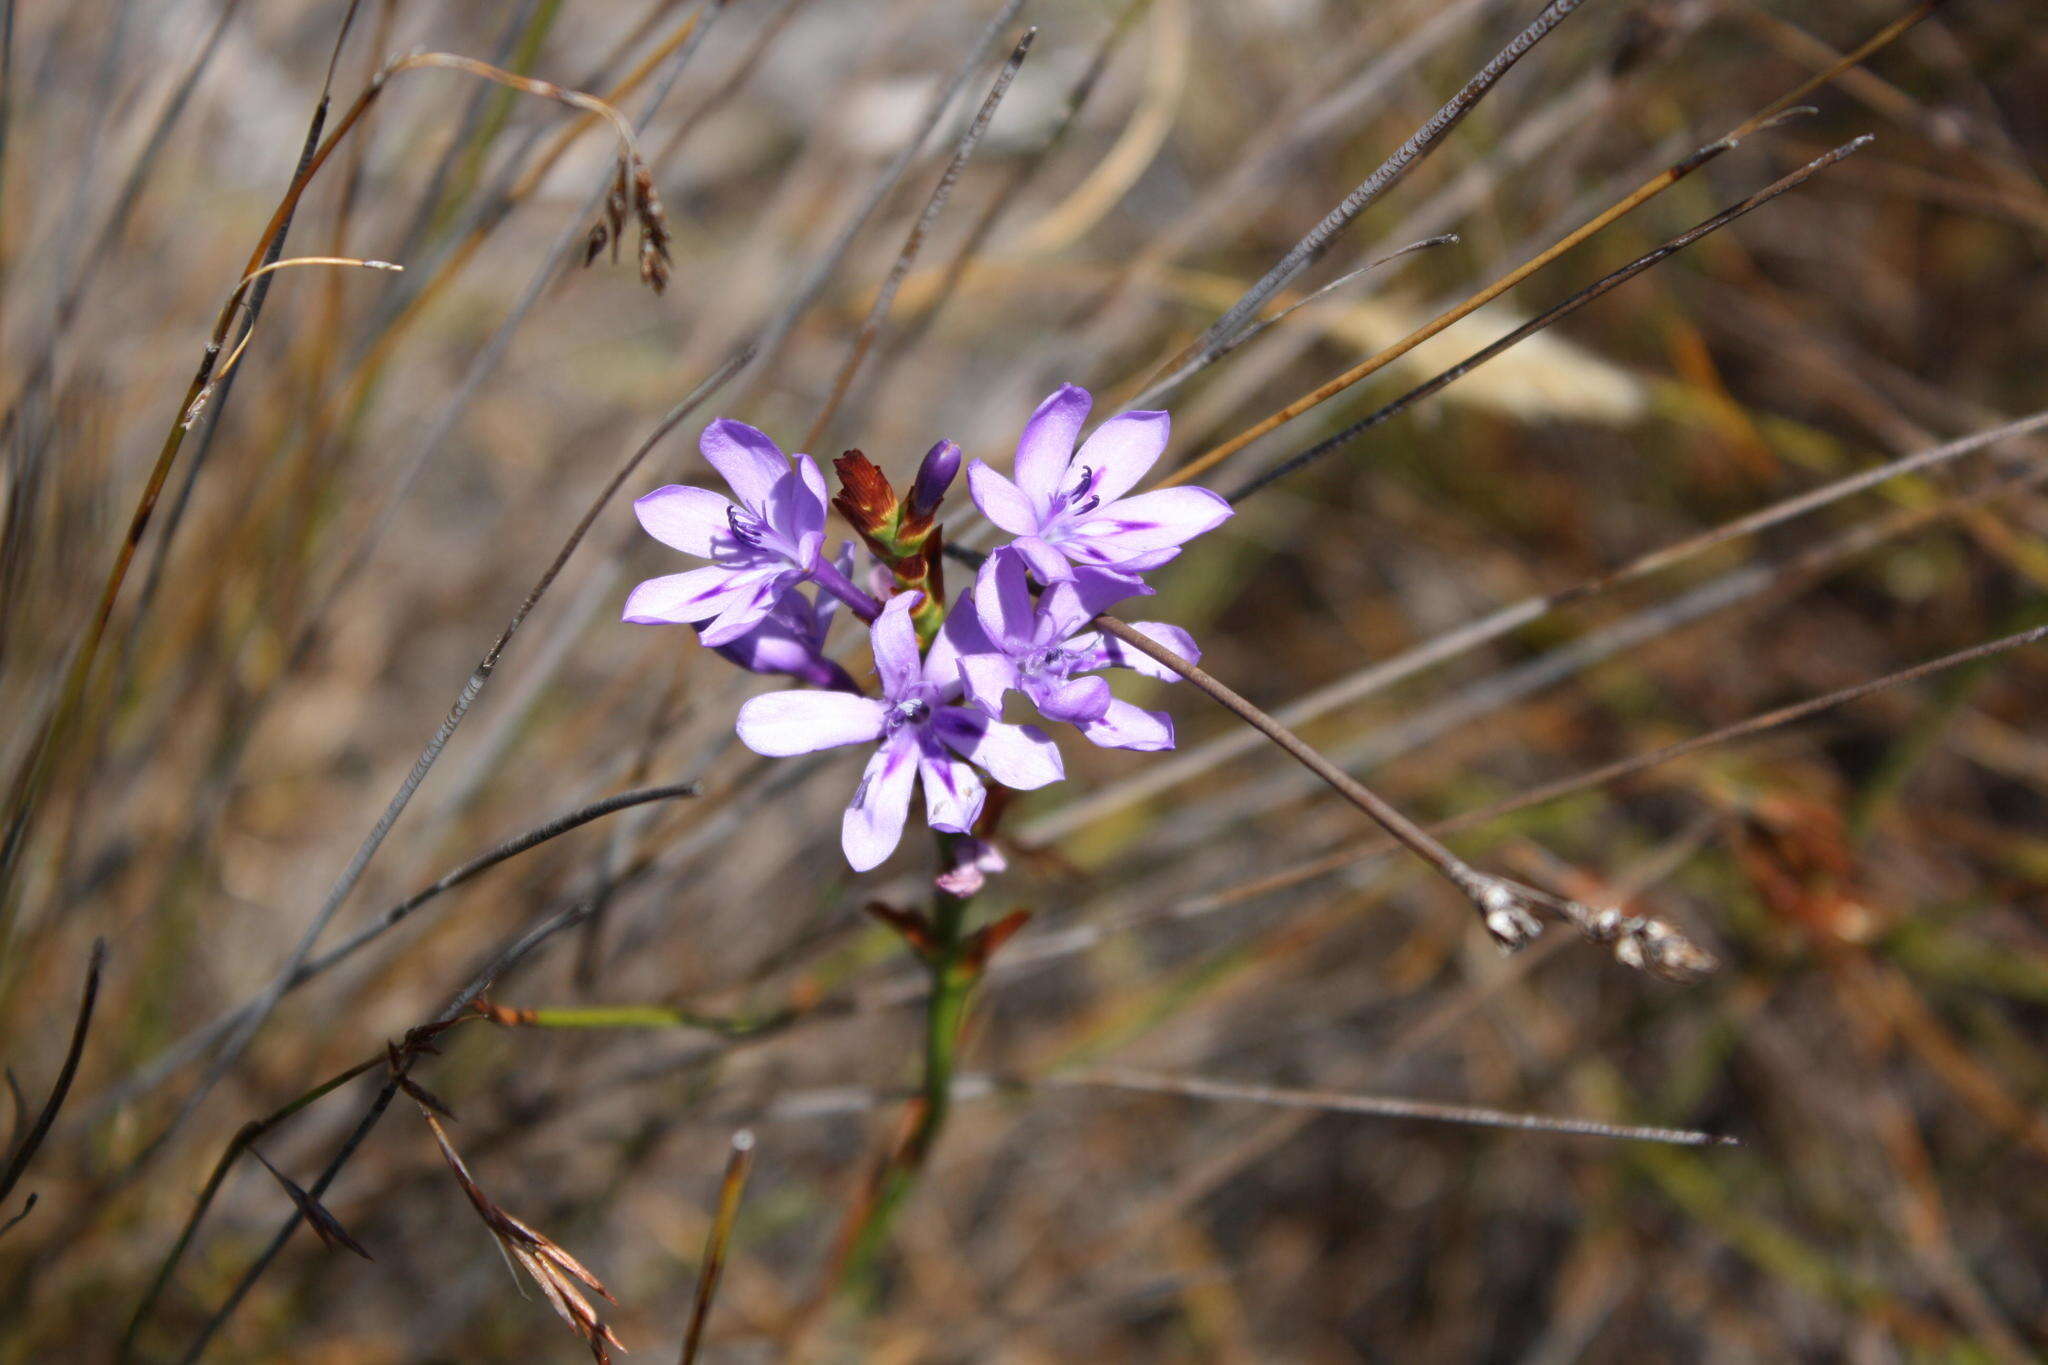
(1054, 662)
(1077, 501)
(909, 711)
(746, 528)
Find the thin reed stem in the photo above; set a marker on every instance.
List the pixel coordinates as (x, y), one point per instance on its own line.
(737, 1165)
(1635, 198)
(1605, 284)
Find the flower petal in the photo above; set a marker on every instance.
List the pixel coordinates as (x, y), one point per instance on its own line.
(953, 791)
(1077, 701)
(1125, 726)
(684, 518)
(1121, 450)
(793, 512)
(986, 678)
(1158, 520)
(1046, 446)
(1066, 607)
(895, 645)
(747, 607)
(1045, 559)
(1001, 501)
(1173, 638)
(750, 462)
(873, 823)
(1019, 756)
(779, 724)
(680, 598)
(796, 504)
(1002, 601)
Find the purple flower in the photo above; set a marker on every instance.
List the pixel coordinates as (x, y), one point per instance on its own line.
(922, 735)
(790, 639)
(759, 549)
(1006, 640)
(1067, 506)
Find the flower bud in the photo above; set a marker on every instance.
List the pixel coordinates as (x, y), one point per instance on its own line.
(865, 498)
(934, 476)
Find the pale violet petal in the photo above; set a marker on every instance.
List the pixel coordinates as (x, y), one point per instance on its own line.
(1173, 638)
(1076, 701)
(1019, 756)
(1001, 501)
(1125, 726)
(750, 462)
(1046, 446)
(821, 497)
(681, 598)
(895, 646)
(684, 518)
(987, 677)
(953, 791)
(1159, 520)
(779, 724)
(873, 823)
(1045, 560)
(1121, 450)
(1002, 601)
(746, 608)
(793, 512)
(960, 636)
(1066, 607)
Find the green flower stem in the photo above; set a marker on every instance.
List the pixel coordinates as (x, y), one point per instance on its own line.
(953, 975)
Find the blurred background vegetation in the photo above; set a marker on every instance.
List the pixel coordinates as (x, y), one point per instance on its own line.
(401, 456)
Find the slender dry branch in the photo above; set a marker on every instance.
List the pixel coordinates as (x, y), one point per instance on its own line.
(813, 282)
(1381, 1106)
(32, 1141)
(1507, 908)
(1155, 393)
(500, 963)
(1635, 763)
(198, 1040)
(1312, 247)
(737, 1165)
(1547, 318)
(885, 297)
(1642, 194)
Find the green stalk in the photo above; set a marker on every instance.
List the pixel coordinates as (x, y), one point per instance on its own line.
(953, 975)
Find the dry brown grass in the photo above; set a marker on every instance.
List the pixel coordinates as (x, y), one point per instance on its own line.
(1167, 1140)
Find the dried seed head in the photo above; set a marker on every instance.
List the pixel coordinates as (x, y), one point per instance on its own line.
(615, 206)
(552, 1267)
(653, 264)
(1504, 913)
(1645, 944)
(325, 1225)
(654, 257)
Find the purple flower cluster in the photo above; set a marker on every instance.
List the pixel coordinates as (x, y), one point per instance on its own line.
(1079, 546)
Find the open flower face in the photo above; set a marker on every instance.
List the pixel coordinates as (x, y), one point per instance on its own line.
(760, 547)
(921, 734)
(1042, 648)
(1067, 507)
